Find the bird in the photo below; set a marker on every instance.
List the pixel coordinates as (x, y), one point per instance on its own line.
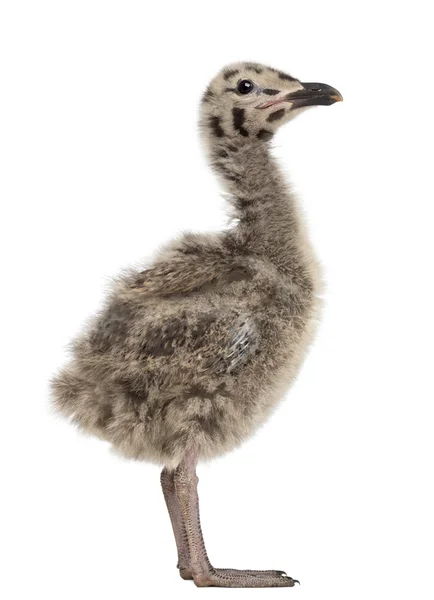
(187, 357)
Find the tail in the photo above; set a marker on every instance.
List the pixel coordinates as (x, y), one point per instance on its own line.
(81, 401)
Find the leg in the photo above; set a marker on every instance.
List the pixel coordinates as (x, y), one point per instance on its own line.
(180, 532)
(204, 574)
(168, 485)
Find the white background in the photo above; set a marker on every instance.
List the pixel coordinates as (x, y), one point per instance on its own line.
(100, 164)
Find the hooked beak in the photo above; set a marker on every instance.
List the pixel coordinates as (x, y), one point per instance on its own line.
(312, 94)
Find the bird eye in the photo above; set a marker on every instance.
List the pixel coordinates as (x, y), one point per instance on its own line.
(244, 86)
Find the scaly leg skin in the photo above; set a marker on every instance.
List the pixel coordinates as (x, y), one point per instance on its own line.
(179, 530)
(203, 573)
(168, 486)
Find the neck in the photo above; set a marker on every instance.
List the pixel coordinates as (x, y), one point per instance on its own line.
(268, 219)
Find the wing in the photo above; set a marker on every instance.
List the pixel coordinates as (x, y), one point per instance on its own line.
(167, 335)
(240, 345)
(213, 342)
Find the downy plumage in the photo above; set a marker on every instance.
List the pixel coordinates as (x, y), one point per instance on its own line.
(189, 356)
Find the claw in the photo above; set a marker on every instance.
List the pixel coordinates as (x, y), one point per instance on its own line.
(294, 581)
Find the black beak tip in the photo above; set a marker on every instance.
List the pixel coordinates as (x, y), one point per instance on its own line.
(314, 94)
(336, 97)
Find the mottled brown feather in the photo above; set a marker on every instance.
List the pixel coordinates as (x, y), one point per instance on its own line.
(197, 349)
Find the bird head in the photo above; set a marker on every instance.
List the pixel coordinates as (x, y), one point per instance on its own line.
(248, 101)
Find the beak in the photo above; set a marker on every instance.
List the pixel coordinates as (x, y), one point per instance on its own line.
(314, 94)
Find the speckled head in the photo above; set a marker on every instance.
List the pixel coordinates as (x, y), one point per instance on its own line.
(249, 101)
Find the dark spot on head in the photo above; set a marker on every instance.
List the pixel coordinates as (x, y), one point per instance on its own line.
(230, 73)
(270, 92)
(238, 115)
(216, 128)
(276, 115)
(208, 95)
(286, 77)
(230, 89)
(265, 135)
(255, 68)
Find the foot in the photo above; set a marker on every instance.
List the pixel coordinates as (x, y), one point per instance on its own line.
(233, 578)
(187, 574)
